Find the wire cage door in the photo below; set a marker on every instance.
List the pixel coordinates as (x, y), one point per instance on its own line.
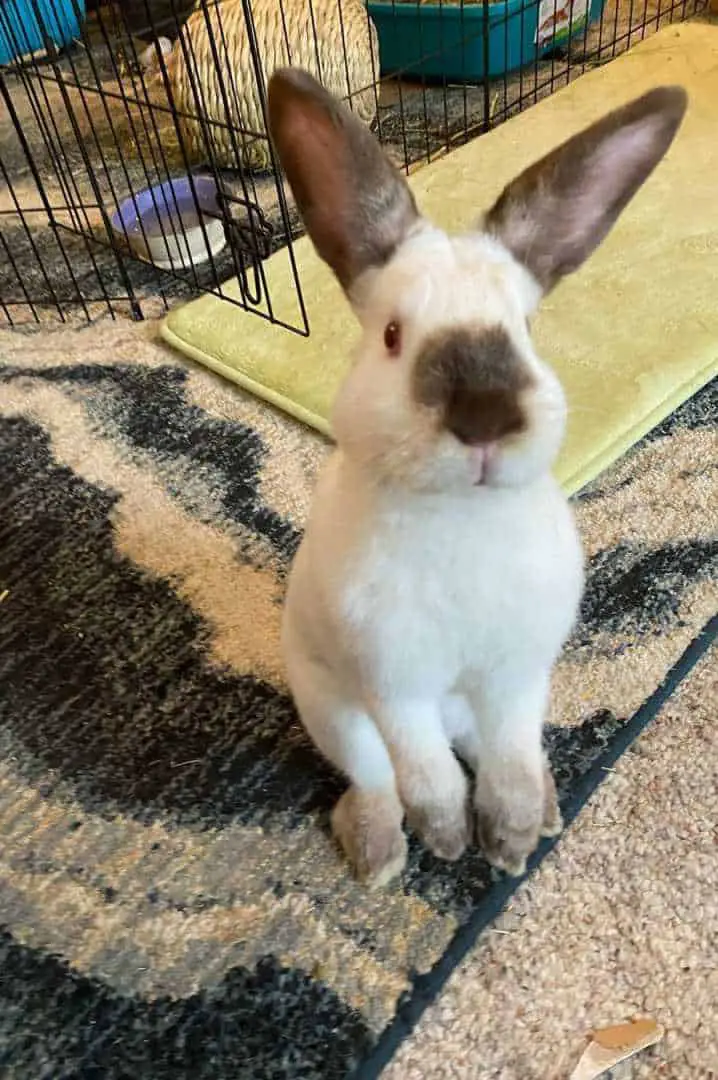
(125, 184)
(135, 166)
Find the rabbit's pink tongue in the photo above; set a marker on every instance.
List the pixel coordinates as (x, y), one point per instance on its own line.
(481, 457)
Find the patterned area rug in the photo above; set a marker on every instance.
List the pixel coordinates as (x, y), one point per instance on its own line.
(170, 900)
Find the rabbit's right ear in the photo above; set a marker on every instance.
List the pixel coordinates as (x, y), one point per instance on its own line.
(356, 206)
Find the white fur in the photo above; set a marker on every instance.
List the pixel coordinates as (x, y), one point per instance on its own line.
(424, 611)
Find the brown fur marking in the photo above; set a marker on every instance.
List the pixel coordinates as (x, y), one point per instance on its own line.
(356, 206)
(475, 377)
(558, 211)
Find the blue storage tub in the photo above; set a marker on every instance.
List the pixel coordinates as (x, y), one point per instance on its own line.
(28, 25)
(446, 41)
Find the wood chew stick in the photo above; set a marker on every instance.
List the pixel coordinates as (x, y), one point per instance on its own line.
(611, 1045)
(621, 1036)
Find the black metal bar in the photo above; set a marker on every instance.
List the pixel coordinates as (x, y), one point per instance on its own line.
(27, 302)
(158, 174)
(20, 134)
(486, 42)
(252, 298)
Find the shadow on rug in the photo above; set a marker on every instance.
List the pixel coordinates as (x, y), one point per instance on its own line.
(171, 901)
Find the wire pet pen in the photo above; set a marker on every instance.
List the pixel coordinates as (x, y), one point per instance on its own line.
(135, 167)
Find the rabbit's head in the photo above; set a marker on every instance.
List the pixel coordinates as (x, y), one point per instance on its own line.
(446, 391)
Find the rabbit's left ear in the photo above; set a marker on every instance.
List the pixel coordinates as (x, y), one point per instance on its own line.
(356, 206)
(554, 215)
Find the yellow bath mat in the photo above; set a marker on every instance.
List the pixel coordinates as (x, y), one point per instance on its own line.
(632, 335)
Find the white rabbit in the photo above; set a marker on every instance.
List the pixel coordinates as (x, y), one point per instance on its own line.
(441, 571)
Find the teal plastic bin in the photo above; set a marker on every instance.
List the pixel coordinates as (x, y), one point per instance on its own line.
(29, 25)
(446, 41)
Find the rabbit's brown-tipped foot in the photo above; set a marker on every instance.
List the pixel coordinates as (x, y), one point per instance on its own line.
(506, 848)
(552, 823)
(509, 821)
(368, 825)
(445, 832)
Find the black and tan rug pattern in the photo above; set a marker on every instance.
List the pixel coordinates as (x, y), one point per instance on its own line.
(170, 902)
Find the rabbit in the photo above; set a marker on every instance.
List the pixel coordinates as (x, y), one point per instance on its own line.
(440, 571)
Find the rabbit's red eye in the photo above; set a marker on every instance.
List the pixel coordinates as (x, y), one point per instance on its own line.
(392, 338)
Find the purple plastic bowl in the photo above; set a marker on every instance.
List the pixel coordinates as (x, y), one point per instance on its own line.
(175, 224)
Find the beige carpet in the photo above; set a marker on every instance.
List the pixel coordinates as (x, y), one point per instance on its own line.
(622, 919)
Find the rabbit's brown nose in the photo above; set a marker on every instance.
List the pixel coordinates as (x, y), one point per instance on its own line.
(475, 378)
(484, 416)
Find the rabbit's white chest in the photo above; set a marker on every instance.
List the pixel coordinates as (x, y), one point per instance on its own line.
(424, 593)
(458, 594)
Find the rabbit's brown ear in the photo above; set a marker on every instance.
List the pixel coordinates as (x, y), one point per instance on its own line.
(355, 205)
(557, 212)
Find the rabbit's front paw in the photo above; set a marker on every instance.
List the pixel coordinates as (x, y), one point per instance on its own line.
(552, 823)
(445, 830)
(510, 822)
(368, 825)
